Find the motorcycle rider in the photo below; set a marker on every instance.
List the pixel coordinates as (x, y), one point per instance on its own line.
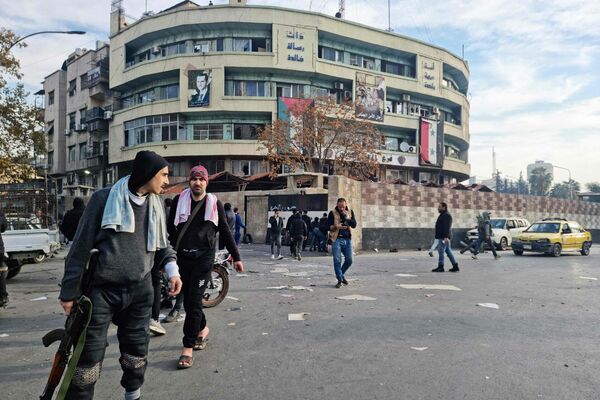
(195, 218)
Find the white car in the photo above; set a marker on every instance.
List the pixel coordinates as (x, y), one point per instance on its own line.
(501, 231)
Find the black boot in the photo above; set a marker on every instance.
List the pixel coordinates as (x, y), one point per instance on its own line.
(454, 268)
(440, 268)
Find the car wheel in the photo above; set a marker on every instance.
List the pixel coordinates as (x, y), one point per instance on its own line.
(585, 249)
(518, 252)
(556, 250)
(503, 244)
(39, 258)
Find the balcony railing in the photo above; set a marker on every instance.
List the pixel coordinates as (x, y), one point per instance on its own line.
(94, 113)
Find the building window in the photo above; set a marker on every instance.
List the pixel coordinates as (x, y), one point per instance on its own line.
(391, 143)
(151, 129)
(362, 61)
(242, 44)
(71, 154)
(72, 87)
(248, 88)
(51, 97)
(166, 92)
(173, 49)
(50, 159)
(293, 90)
(247, 167)
(246, 131)
(82, 151)
(207, 132)
(392, 175)
(72, 122)
(327, 53)
(82, 115)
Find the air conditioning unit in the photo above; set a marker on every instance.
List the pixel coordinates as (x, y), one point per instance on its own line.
(71, 179)
(155, 50)
(67, 132)
(435, 111)
(338, 85)
(108, 114)
(406, 97)
(80, 127)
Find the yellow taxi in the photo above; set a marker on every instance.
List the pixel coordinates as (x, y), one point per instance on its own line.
(553, 236)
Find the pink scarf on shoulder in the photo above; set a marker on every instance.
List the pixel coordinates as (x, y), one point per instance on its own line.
(184, 208)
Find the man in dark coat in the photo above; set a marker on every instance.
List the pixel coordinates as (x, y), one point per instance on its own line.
(443, 232)
(71, 219)
(3, 268)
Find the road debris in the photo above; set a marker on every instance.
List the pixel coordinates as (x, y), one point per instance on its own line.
(233, 309)
(419, 348)
(406, 275)
(39, 298)
(430, 287)
(232, 298)
(290, 288)
(489, 305)
(3, 335)
(589, 278)
(231, 324)
(355, 297)
(279, 270)
(297, 316)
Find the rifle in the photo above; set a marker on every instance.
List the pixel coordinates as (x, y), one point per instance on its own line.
(72, 336)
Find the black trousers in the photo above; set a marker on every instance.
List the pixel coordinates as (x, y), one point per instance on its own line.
(129, 308)
(195, 275)
(3, 274)
(156, 279)
(298, 245)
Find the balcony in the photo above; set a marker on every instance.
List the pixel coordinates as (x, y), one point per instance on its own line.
(97, 126)
(94, 114)
(99, 91)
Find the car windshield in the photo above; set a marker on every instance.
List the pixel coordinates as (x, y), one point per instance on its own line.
(497, 223)
(544, 227)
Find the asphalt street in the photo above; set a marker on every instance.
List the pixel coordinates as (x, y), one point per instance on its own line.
(542, 342)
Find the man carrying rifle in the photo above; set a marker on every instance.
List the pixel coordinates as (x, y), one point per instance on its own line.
(126, 223)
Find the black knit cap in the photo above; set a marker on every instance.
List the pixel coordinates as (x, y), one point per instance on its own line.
(145, 166)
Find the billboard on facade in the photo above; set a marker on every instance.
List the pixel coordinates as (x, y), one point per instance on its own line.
(431, 142)
(199, 88)
(370, 96)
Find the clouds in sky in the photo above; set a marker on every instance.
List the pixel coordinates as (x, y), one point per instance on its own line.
(534, 85)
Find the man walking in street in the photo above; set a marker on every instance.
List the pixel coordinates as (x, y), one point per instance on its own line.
(230, 217)
(324, 228)
(276, 223)
(443, 232)
(341, 222)
(71, 219)
(307, 222)
(3, 268)
(126, 223)
(239, 225)
(195, 219)
(484, 233)
(298, 234)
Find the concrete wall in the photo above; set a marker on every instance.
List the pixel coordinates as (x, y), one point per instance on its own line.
(399, 216)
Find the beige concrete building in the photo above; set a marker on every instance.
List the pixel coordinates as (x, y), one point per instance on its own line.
(196, 83)
(77, 97)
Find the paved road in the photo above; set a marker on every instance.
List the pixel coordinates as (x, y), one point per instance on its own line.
(542, 342)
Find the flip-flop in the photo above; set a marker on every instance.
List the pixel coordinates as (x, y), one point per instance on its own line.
(201, 343)
(185, 362)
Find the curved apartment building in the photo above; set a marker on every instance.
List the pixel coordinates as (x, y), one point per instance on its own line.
(196, 83)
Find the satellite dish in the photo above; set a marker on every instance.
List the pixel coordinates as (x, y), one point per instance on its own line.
(404, 147)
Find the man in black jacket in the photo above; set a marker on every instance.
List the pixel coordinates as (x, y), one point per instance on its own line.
(307, 222)
(126, 223)
(71, 219)
(298, 234)
(193, 233)
(276, 223)
(3, 268)
(443, 232)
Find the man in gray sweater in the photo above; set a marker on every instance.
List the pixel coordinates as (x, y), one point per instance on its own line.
(126, 223)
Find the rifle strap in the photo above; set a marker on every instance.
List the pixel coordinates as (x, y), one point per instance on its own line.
(77, 351)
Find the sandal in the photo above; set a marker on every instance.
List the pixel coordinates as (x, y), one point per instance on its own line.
(185, 362)
(200, 343)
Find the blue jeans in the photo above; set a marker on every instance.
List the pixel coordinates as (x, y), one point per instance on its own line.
(445, 248)
(339, 247)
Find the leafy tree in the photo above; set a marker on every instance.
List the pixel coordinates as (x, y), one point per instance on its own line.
(499, 183)
(21, 136)
(522, 186)
(540, 181)
(563, 190)
(593, 187)
(319, 133)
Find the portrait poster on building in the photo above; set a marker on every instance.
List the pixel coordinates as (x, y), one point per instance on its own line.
(199, 88)
(290, 110)
(370, 97)
(431, 142)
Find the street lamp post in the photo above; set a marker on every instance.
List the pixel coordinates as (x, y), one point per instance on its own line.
(570, 180)
(44, 32)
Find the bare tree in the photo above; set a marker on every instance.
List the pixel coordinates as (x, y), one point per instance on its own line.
(320, 132)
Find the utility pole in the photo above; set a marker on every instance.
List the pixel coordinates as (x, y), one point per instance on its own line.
(342, 9)
(389, 17)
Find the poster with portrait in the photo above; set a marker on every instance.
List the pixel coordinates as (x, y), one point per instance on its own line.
(370, 97)
(199, 88)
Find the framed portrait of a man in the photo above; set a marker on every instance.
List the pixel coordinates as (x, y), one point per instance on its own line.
(199, 88)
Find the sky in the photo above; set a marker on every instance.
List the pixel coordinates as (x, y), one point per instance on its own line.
(534, 88)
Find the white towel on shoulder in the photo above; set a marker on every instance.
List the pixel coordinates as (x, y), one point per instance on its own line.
(184, 208)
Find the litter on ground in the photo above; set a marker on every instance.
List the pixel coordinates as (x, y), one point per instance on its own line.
(39, 298)
(231, 324)
(3, 335)
(290, 288)
(489, 305)
(232, 298)
(297, 316)
(589, 278)
(430, 287)
(419, 348)
(355, 297)
(406, 275)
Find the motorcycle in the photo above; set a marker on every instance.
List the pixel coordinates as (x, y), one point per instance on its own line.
(217, 288)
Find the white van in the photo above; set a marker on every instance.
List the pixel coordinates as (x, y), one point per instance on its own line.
(501, 231)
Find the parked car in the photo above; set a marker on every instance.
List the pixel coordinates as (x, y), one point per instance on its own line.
(503, 230)
(553, 236)
(26, 242)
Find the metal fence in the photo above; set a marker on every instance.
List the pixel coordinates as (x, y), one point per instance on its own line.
(29, 204)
